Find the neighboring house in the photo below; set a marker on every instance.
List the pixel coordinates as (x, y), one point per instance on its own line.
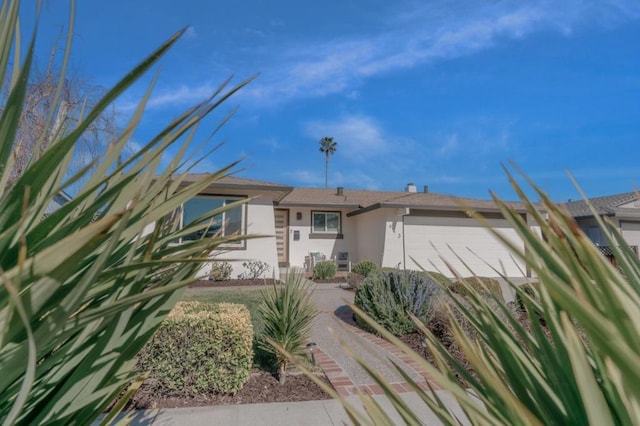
(391, 228)
(622, 209)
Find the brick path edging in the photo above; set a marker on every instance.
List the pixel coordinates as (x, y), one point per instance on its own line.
(339, 378)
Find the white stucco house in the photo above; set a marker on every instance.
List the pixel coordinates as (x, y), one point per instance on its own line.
(622, 209)
(391, 228)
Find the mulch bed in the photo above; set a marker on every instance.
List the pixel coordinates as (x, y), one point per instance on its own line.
(261, 387)
(233, 283)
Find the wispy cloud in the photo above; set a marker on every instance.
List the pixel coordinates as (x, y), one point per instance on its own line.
(415, 36)
(305, 177)
(423, 36)
(191, 33)
(358, 136)
(449, 147)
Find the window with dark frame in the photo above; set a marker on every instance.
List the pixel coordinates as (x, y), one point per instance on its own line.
(226, 223)
(326, 222)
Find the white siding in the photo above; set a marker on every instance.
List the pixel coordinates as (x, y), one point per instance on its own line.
(371, 229)
(260, 221)
(428, 237)
(630, 232)
(394, 239)
(327, 246)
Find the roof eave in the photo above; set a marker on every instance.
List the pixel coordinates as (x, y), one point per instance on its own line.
(318, 205)
(448, 207)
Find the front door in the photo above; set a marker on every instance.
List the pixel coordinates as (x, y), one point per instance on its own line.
(282, 236)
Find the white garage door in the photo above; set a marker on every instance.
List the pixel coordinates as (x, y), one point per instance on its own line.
(428, 237)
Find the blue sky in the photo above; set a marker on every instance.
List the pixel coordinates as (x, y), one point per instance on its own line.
(438, 93)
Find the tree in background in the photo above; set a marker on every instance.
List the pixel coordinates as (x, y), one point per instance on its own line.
(54, 104)
(328, 147)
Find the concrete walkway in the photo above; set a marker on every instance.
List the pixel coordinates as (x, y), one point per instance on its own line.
(333, 324)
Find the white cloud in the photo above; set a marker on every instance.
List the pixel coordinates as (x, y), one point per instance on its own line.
(358, 136)
(305, 177)
(425, 35)
(449, 147)
(272, 143)
(417, 35)
(191, 33)
(354, 179)
(181, 95)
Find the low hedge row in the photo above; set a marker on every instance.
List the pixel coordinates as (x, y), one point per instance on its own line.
(201, 348)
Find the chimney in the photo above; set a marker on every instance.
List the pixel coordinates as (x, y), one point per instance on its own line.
(426, 189)
(340, 191)
(411, 187)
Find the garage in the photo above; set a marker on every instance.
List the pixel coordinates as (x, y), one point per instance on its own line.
(428, 235)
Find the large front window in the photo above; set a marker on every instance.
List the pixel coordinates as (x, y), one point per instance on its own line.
(227, 223)
(328, 222)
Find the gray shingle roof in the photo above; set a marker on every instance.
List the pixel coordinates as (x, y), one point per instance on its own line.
(353, 198)
(440, 201)
(603, 205)
(358, 200)
(232, 181)
(363, 199)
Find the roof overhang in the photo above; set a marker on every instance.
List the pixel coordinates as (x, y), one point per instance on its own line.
(319, 205)
(430, 208)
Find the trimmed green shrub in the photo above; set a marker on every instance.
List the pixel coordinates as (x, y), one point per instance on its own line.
(287, 312)
(201, 348)
(387, 296)
(483, 285)
(220, 271)
(324, 270)
(365, 267)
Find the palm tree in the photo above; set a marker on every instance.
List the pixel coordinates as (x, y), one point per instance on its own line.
(328, 146)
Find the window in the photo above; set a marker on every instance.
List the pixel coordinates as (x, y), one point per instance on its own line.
(227, 223)
(326, 222)
(595, 235)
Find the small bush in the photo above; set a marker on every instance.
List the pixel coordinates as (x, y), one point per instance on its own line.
(287, 312)
(201, 348)
(255, 269)
(324, 270)
(354, 280)
(387, 296)
(364, 267)
(220, 271)
(484, 286)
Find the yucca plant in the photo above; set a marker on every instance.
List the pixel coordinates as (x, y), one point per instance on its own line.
(85, 286)
(287, 312)
(573, 360)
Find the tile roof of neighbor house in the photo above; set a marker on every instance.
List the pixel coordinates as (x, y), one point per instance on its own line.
(603, 205)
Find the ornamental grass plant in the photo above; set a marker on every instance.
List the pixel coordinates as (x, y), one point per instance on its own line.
(287, 312)
(85, 286)
(575, 361)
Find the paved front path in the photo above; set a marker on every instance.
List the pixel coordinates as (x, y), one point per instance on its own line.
(334, 325)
